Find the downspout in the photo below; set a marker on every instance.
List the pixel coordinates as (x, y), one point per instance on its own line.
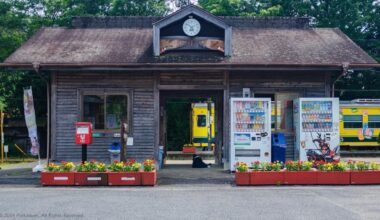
(36, 67)
(345, 67)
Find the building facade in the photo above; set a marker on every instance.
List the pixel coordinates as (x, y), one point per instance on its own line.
(108, 70)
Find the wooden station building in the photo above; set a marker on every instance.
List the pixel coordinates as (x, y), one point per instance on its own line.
(104, 69)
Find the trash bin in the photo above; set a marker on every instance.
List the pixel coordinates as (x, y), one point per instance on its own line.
(114, 150)
(160, 156)
(278, 147)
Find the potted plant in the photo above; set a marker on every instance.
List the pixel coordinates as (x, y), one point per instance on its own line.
(299, 172)
(333, 173)
(267, 173)
(91, 173)
(149, 174)
(365, 173)
(242, 176)
(58, 175)
(124, 174)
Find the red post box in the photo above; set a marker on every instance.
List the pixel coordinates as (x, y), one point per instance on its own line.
(83, 133)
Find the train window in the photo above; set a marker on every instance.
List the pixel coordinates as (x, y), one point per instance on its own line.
(352, 121)
(201, 122)
(373, 121)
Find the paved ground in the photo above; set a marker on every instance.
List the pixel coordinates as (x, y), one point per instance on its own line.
(183, 193)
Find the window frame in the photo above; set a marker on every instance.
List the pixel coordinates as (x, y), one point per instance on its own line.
(105, 92)
(351, 121)
(373, 122)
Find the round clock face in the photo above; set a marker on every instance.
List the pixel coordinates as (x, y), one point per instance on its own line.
(191, 27)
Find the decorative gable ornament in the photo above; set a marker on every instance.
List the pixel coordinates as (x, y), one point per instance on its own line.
(191, 29)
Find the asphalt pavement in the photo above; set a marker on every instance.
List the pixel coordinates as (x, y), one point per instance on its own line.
(184, 193)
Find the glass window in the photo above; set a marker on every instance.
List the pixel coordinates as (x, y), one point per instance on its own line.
(284, 111)
(352, 121)
(373, 121)
(201, 121)
(105, 111)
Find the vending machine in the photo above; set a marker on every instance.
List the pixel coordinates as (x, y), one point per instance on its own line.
(250, 138)
(316, 123)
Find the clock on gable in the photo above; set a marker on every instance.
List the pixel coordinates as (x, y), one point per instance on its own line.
(191, 30)
(191, 27)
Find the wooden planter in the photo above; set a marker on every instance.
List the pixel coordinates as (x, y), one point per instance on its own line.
(300, 177)
(91, 179)
(57, 178)
(333, 177)
(124, 178)
(148, 178)
(365, 177)
(242, 178)
(267, 178)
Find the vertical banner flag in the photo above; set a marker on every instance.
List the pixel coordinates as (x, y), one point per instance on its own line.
(30, 120)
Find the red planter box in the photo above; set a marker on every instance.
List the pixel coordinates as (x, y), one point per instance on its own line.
(333, 177)
(300, 177)
(188, 150)
(267, 178)
(91, 179)
(148, 178)
(242, 178)
(124, 178)
(365, 177)
(57, 178)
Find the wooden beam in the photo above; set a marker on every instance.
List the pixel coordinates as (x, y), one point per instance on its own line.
(191, 87)
(156, 113)
(226, 119)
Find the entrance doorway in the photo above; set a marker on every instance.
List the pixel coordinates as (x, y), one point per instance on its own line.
(178, 118)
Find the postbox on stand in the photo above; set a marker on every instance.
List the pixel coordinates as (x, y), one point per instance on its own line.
(83, 136)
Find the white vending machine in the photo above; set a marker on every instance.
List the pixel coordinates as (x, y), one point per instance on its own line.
(250, 138)
(316, 123)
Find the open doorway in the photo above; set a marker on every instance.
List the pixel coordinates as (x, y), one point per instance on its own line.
(191, 119)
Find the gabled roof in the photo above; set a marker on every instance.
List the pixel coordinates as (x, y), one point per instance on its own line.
(190, 9)
(130, 44)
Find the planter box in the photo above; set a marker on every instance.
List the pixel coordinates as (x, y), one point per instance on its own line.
(124, 178)
(188, 150)
(365, 177)
(148, 178)
(242, 178)
(267, 178)
(91, 179)
(57, 178)
(300, 177)
(333, 177)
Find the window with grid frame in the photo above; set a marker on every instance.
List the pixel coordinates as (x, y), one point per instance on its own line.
(105, 111)
(373, 121)
(352, 121)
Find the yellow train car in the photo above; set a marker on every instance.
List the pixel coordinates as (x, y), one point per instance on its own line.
(359, 123)
(202, 124)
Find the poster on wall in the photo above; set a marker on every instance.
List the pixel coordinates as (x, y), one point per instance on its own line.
(30, 120)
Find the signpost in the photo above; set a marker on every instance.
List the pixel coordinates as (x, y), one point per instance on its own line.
(83, 136)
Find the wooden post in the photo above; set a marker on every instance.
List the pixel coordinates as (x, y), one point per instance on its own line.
(123, 138)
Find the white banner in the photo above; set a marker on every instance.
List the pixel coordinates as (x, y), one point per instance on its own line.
(30, 120)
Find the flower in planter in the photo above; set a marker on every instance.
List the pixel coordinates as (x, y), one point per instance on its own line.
(240, 166)
(51, 167)
(256, 166)
(149, 165)
(67, 166)
(351, 165)
(276, 166)
(305, 165)
(374, 165)
(116, 166)
(339, 166)
(101, 167)
(361, 165)
(131, 165)
(266, 166)
(290, 165)
(90, 166)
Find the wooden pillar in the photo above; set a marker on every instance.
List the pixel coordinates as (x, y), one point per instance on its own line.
(226, 120)
(156, 91)
(53, 121)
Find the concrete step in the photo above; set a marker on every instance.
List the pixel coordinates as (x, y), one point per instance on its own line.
(178, 155)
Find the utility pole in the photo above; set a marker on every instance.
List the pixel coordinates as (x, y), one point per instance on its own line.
(2, 133)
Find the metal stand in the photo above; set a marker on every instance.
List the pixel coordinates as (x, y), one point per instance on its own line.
(84, 153)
